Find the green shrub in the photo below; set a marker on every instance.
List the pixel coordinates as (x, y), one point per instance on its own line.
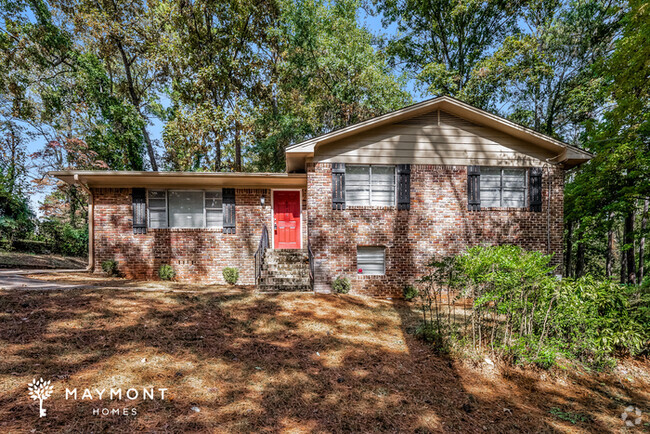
(522, 313)
(31, 246)
(410, 292)
(430, 334)
(231, 275)
(166, 272)
(569, 416)
(110, 268)
(341, 285)
(63, 238)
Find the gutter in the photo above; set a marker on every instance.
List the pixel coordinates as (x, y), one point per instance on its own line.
(91, 224)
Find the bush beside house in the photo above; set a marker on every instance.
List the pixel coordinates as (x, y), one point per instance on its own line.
(523, 313)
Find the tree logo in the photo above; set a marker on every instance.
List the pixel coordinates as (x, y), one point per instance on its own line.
(631, 416)
(40, 390)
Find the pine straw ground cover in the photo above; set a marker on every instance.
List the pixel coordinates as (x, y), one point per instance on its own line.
(275, 362)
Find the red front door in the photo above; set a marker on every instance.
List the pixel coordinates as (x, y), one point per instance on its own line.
(286, 219)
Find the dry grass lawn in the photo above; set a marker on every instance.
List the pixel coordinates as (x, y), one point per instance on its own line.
(273, 363)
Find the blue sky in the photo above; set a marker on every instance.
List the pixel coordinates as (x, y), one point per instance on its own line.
(373, 23)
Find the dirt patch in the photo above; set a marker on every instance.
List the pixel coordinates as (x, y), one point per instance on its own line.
(29, 261)
(275, 362)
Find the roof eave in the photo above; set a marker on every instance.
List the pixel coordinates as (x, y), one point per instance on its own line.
(454, 106)
(181, 179)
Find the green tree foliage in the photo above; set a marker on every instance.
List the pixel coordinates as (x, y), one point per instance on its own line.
(248, 79)
(123, 35)
(62, 93)
(212, 52)
(440, 42)
(325, 74)
(607, 199)
(16, 218)
(543, 74)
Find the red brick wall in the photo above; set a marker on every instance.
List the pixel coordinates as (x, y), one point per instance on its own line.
(195, 254)
(438, 223)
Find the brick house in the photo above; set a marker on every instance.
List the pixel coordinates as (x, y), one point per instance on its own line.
(373, 202)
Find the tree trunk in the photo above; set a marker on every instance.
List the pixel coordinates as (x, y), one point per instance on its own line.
(237, 147)
(609, 255)
(580, 257)
(629, 245)
(135, 100)
(150, 151)
(569, 248)
(644, 223)
(217, 158)
(623, 258)
(72, 200)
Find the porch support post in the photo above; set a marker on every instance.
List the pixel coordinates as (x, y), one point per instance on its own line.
(91, 224)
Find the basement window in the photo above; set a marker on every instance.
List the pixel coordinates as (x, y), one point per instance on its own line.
(371, 260)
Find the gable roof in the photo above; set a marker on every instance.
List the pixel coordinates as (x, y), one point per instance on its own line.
(565, 154)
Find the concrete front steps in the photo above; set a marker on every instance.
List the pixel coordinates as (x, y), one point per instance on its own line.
(285, 270)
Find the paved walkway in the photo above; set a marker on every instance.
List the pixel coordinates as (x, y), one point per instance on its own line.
(15, 279)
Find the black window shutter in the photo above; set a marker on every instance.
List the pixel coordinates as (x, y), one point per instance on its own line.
(535, 189)
(338, 186)
(139, 201)
(403, 186)
(229, 216)
(474, 188)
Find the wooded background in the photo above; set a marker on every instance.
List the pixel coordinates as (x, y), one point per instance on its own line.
(234, 82)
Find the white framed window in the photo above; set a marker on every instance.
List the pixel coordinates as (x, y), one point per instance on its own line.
(213, 209)
(157, 206)
(185, 208)
(371, 260)
(370, 185)
(503, 187)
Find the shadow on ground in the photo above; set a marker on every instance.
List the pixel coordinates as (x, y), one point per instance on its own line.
(264, 362)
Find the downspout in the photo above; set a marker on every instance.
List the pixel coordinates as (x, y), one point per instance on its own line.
(547, 166)
(91, 224)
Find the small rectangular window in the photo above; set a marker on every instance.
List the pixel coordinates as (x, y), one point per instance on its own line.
(371, 260)
(503, 188)
(157, 208)
(370, 185)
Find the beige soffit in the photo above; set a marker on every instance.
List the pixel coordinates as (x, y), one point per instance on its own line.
(564, 152)
(105, 178)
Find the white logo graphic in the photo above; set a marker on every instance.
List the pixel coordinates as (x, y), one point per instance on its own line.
(40, 390)
(631, 416)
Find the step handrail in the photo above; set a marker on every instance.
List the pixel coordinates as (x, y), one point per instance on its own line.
(260, 253)
(310, 255)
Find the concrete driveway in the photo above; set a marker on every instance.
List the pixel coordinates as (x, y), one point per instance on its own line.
(16, 280)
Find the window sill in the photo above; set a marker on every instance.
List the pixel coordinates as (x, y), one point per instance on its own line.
(186, 229)
(370, 276)
(497, 208)
(362, 207)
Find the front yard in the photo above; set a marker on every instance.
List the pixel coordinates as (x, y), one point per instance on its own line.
(235, 360)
